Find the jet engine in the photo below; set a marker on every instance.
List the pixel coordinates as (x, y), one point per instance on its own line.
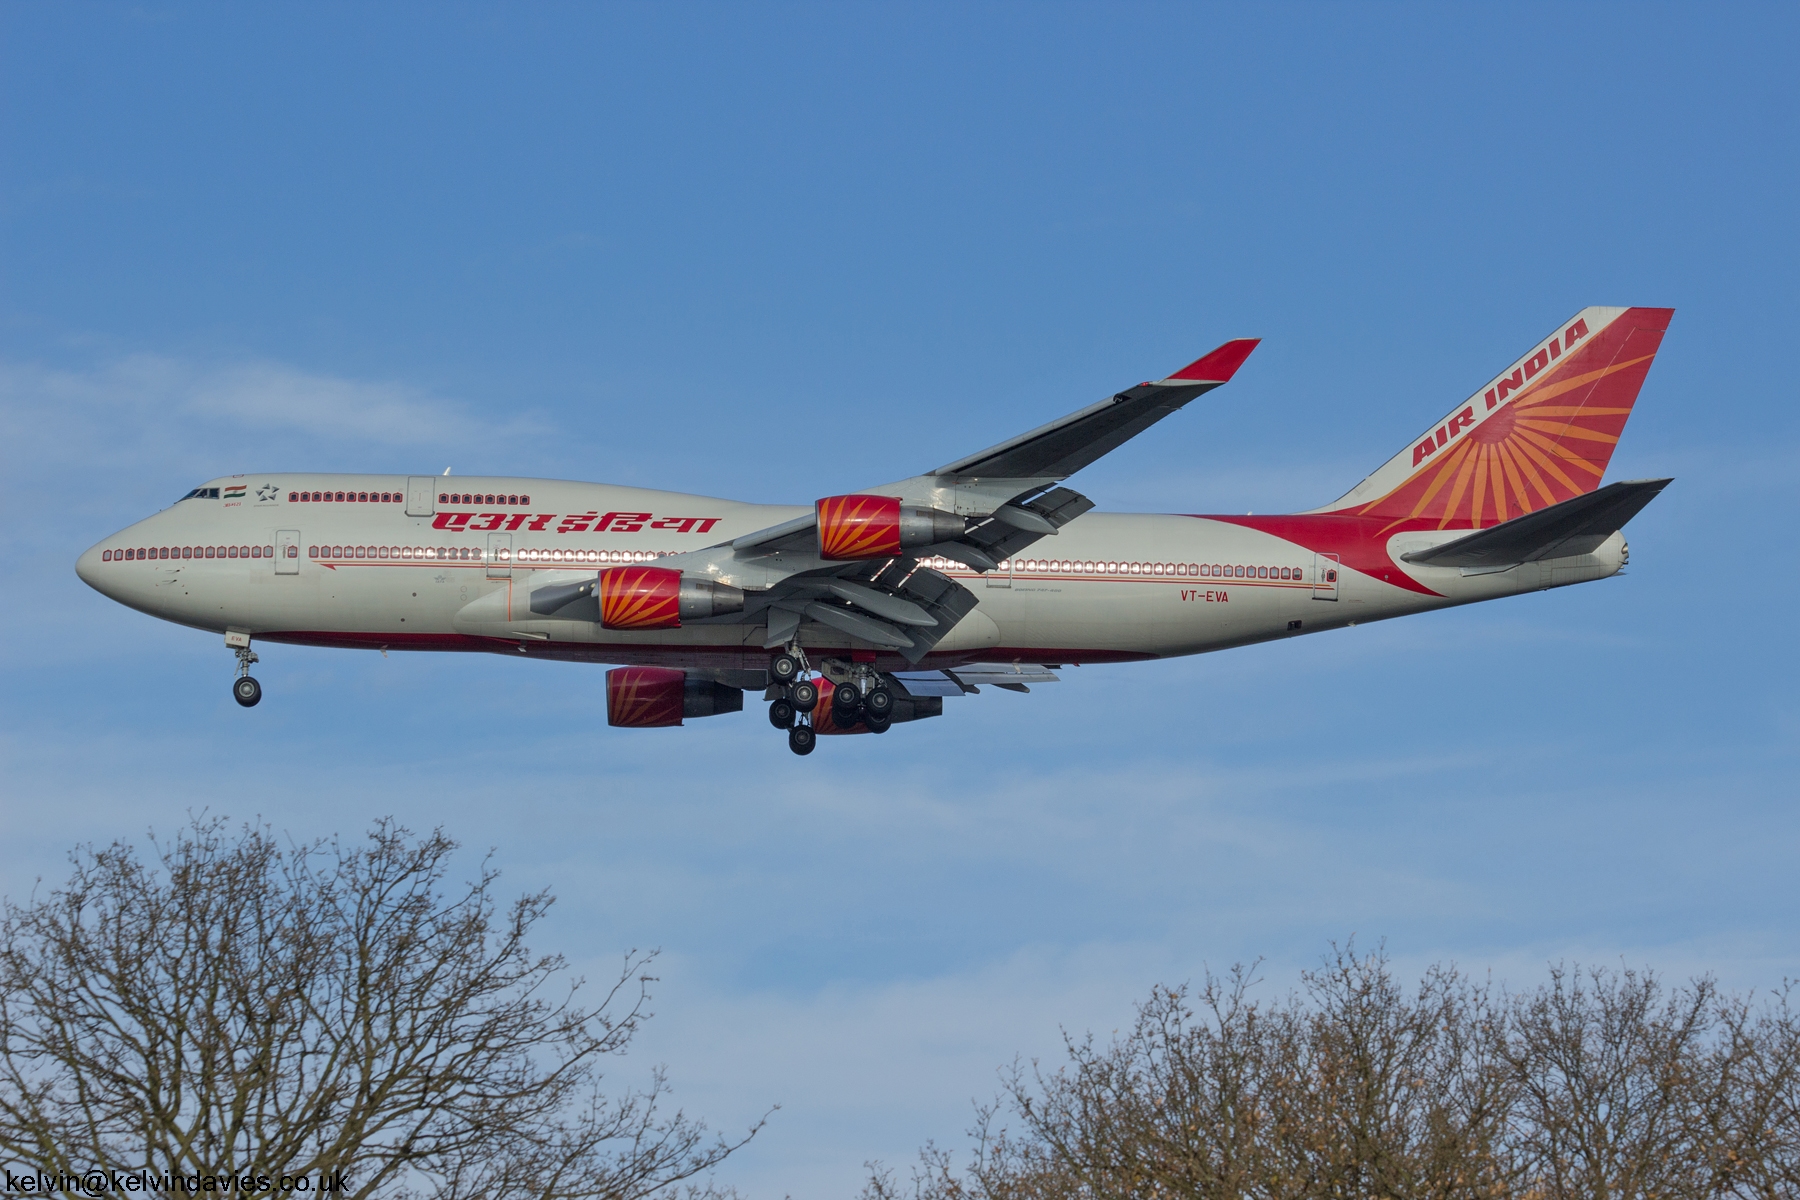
(653, 697)
(852, 527)
(659, 598)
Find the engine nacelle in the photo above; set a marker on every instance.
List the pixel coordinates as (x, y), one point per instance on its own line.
(659, 598)
(655, 697)
(852, 527)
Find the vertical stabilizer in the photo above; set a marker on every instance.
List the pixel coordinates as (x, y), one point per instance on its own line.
(1540, 432)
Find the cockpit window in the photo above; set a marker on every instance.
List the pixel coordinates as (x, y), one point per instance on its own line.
(201, 493)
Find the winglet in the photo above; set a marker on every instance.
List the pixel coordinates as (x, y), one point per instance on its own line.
(1217, 367)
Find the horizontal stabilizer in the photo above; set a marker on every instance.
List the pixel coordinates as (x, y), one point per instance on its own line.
(1573, 527)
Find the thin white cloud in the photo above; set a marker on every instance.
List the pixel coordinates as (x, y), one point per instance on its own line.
(151, 397)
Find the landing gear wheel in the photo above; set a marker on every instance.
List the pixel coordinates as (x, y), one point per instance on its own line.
(246, 691)
(879, 703)
(802, 739)
(784, 667)
(877, 724)
(805, 695)
(844, 703)
(781, 714)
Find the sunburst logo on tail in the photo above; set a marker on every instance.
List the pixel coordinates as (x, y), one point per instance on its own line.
(1540, 434)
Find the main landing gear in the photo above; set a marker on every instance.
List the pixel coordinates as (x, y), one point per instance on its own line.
(796, 696)
(859, 697)
(245, 690)
(862, 698)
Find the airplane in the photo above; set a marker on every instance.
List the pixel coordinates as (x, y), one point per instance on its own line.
(869, 608)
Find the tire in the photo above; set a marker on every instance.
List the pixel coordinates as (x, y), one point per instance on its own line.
(805, 695)
(845, 701)
(875, 724)
(879, 703)
(781, 714)
(784, 667)
(246, 691)
(802, 739)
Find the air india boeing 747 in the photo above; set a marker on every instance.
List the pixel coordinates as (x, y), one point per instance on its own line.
(868, 608)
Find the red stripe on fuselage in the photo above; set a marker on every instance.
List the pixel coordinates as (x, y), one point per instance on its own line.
(1359, 542)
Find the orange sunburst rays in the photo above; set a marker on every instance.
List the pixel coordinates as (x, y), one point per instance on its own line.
(640, 598)
(1527, 454)
(853, 527)
(643, 696)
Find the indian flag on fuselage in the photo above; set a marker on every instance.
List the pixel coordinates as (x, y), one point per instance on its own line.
(1539, 433)
(234, 491)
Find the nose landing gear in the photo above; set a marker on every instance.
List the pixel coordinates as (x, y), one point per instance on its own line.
(245, 690)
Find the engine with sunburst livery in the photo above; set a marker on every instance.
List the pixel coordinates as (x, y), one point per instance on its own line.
(655, 697)
(857, 527)
(659, 598)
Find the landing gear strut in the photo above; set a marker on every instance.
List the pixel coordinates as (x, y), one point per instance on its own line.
(795, 699)
(245, 690)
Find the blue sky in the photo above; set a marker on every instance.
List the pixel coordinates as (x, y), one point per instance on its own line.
(777, 252)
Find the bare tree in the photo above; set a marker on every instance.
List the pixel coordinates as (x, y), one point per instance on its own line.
(1615, 1084)
(1599, 1085)
(237, 1008)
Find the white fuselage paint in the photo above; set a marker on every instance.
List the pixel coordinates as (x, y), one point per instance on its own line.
(450, 589)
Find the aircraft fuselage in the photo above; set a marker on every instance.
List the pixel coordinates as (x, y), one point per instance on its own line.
(443, 569)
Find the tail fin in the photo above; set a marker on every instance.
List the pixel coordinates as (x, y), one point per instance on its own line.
(1536, 435)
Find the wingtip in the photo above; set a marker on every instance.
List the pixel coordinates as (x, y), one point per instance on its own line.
(1219, 365)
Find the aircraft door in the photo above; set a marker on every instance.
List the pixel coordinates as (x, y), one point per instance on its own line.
(1326, 570)
(421, 495)
(1000, 576)
(287, 552)
(499, 556)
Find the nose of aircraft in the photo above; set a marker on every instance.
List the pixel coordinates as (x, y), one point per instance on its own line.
(108, 583)
(88, 567)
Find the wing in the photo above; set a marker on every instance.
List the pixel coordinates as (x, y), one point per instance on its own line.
(969, 680)
(1064, 446)
(978, 511)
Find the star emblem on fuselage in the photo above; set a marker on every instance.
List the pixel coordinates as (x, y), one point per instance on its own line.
(267, 491)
